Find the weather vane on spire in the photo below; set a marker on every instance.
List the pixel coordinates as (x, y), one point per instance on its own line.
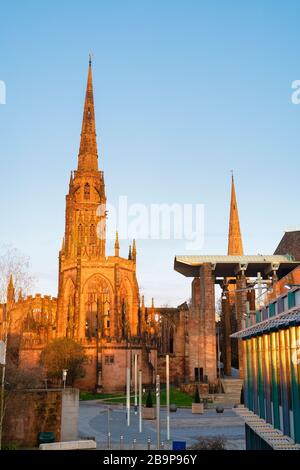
(90, 58)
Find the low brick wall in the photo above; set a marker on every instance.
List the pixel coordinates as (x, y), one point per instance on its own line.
(29, 412)
(190, 388)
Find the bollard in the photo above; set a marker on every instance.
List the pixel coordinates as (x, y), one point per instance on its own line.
(134, 444)
(149, 443)
(121, 442)
(108, 440)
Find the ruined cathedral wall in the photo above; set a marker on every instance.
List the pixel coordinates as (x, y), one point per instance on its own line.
(40, 309)
(116, 358)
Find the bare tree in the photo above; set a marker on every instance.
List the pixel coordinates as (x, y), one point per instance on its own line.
(63, 353)
(14, 263)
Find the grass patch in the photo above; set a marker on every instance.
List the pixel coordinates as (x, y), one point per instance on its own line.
(84, 396)
(176, 396)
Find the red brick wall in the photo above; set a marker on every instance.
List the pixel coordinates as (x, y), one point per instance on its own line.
(30, 412)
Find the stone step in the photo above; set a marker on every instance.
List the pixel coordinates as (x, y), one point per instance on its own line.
(232, 391)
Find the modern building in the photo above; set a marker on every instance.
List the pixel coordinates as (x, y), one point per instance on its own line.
(271, 344)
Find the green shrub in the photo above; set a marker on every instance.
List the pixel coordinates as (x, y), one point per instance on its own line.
(210, 443)
(10, 446)
(149, 403)
(197, 396)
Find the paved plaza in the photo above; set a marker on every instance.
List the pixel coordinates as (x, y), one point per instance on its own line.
(94, 422)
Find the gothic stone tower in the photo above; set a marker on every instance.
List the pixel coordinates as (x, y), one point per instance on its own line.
(98, 296)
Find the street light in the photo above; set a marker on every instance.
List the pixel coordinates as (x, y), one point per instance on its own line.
(249, 289)
(109, 437)
(64, 376)
(158, 411)
(291, 286)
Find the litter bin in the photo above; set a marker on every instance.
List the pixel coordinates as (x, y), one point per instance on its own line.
(179, 445)
(45, 437)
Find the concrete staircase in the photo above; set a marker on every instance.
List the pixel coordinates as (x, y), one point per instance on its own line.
(232, 388)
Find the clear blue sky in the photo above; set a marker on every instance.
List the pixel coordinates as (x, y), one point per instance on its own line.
(185, 91)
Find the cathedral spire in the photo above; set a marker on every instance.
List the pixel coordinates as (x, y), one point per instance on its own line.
(10, 291)
(88, 153)
(134, 250)
(117, 245)
(235, 243)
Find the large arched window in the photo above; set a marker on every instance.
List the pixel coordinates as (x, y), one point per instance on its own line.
(167, 336)
(97, 308)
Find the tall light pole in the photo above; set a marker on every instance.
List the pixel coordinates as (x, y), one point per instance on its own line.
(128, 395)
(135, 383)
(108, 428)
(168, 394)
(64, 376)
(140, 399)
(158, 412)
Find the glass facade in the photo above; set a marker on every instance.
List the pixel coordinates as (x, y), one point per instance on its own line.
(272, 367)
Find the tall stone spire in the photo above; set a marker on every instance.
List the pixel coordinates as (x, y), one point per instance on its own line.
(10, 291)
(88, 153)
(134, 251)
(235, 243)
(117, 245)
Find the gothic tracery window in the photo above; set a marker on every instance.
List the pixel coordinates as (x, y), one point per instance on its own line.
(92, 234)
(80, 233)
(97, 309)
(87, 191)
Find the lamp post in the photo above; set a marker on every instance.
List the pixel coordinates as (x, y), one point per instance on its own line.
(64, 376)
(135, 384)
(158, 411)
(128, 395)
(253, 288)
(249, 288)
(168, 394)
(140, 399)
(291, 286)
(108, 428)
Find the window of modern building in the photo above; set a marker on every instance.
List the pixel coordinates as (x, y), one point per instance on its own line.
(272, 309)
(280, 304)
(291, 300)
(297, 297)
